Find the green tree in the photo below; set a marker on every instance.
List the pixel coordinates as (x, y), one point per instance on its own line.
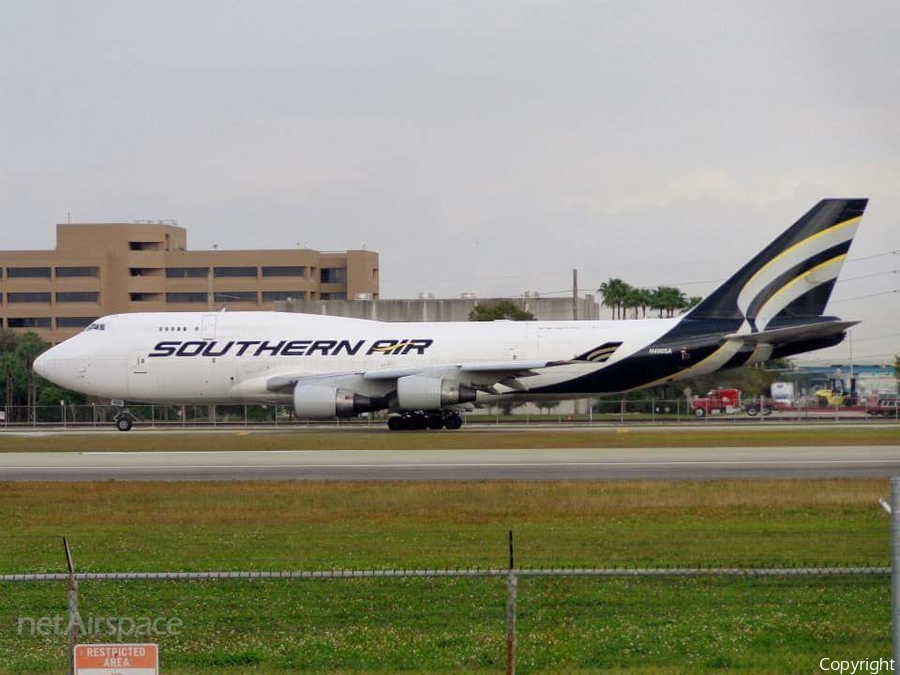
(504, 309)
(614, 292)
(9, 370)
(673, 299)
(28, 348)
(693, 301)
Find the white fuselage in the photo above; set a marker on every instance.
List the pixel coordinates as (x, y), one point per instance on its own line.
(233, 357)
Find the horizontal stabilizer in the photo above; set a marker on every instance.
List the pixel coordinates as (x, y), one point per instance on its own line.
(806, 331)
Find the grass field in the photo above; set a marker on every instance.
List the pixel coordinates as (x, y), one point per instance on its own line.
(470, 438)
(457, 626)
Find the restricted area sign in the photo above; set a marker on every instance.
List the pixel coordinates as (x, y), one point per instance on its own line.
(118, 659)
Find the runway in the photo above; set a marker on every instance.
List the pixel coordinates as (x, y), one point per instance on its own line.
(509, 464)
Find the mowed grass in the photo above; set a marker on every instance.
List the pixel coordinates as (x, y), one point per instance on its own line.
(566, 625)
(471, 438)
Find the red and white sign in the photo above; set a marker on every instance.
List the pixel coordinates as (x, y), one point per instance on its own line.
(118, 659)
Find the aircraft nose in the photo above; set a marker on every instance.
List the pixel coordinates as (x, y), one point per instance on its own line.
(42, 365)
(51, 366)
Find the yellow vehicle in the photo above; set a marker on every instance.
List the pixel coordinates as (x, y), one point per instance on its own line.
(836, 395)
(828, 398)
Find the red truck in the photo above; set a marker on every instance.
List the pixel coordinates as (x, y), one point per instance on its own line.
(728, 401)
(716, 402)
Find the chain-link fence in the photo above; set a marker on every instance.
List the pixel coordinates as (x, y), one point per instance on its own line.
(533, 620)
(582, 411)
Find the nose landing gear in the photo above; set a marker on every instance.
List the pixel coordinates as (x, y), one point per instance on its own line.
(124, 420)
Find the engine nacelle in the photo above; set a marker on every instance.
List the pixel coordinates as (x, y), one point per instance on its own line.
(318, 402)
(419, 392)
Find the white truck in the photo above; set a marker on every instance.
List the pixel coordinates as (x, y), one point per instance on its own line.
(784, 393)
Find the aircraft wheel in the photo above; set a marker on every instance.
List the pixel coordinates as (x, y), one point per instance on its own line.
(123, 424)
(396, 423)
(435, 422)
(453, 422)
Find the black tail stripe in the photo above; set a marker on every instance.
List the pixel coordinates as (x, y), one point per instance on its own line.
(795, 272)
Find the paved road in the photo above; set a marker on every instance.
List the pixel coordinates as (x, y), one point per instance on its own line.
(523, 464)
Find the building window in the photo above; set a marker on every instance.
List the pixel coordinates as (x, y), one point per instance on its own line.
(334, 275)
(272, 296)
(27, 297)
(234, 271)
(332, 296)
(187, 272)
(28, 272)
(281, 271)
(145, 246)
(78, 296)
(144, 271)
(186, 297)
(235, 296)
(146, 297)
(77, 272)
(74, 321)
(28, 322)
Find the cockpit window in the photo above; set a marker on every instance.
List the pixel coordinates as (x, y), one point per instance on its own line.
(96, 326)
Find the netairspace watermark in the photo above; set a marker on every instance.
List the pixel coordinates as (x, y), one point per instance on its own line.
(858, 667)
(100, 626)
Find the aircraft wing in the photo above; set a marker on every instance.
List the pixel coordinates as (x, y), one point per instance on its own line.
(479, 374)
(807, 331)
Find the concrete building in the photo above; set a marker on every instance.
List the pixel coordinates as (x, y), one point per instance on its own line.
(445, 309)
(108, 268)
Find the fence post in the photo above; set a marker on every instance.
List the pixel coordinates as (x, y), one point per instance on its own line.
(74, 619)
(895, 567)
(511, 587)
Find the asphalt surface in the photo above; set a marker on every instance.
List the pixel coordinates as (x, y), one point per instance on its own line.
(511, 464)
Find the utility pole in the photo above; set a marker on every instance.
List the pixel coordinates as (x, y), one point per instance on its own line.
(575, 295)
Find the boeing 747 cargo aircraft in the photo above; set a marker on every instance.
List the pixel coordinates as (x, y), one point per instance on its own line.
(426, 373)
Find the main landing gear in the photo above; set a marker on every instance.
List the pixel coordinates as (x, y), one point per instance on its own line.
(421, 420)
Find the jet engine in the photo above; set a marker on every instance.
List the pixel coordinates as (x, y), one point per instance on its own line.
(317, 401)
(419, 392)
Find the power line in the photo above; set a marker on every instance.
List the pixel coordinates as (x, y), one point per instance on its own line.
(869, 276)
(869, 257)
(871, 295)
(877, 337)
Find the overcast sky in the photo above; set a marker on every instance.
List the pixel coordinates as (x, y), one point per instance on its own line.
(485, 147)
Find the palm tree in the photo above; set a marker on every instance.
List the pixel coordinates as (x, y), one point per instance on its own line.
(645, 299)
(669, 299)
(614, 292)
(692, 302)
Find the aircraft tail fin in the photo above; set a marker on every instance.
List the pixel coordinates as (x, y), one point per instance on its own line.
(792, 278)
